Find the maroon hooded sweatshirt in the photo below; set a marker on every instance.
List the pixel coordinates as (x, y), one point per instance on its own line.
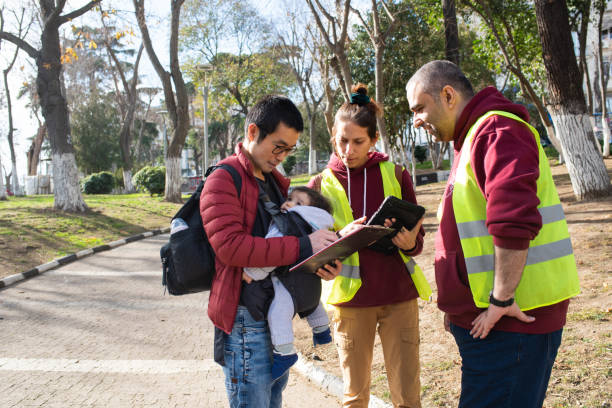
(504, 157)
(228, 219)
(384, 278)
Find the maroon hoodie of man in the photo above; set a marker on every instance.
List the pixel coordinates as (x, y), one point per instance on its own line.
(384, 278)
(504, 157)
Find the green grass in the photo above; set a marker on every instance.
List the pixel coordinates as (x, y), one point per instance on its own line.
(590, 314)
(300, 180)
(31, 229)
(426, 165)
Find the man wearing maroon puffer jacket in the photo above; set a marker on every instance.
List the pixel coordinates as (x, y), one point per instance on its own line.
(236, 225)
(503, 245)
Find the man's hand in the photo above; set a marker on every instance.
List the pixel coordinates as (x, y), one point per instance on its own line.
(485, 321)
(405, 239)
(447, 322)
(330, 271)
(348, 228)
(509, 265)
(321, 238)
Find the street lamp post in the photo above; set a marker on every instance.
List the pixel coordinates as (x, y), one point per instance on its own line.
(205, 68)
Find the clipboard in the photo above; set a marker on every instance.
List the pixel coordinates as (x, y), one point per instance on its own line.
(359, 239)
(406, 215)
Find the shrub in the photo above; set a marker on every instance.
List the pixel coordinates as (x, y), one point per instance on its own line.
(420, 153)
(99, 183)
(288, 164)
(551, 152)
(151, 179)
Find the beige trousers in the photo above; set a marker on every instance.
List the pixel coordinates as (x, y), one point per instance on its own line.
(398, 328)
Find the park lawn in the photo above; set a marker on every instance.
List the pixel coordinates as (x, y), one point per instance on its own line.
(33, 233)
(582, 374)
(300, 180)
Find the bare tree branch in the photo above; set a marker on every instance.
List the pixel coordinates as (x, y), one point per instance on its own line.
(76, 13)
(22, 44)
(51, 17)
(161, 72)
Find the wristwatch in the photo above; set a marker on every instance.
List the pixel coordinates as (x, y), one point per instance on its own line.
(500, 303)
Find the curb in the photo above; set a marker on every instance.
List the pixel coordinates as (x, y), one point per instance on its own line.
(329, 382)
(9, 280)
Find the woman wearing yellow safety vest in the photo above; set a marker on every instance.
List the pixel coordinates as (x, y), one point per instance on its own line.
(377, 289)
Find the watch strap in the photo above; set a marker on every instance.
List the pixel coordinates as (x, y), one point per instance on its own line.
(500, 303)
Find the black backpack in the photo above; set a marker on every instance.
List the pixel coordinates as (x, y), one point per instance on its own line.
(188, 260)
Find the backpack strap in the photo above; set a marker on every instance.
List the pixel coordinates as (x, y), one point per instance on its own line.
(193, 203)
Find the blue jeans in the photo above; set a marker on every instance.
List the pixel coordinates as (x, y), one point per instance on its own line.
(248, 365)
(505, 370)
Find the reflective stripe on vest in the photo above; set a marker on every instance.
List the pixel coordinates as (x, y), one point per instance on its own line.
(550, 275)
(343, 288)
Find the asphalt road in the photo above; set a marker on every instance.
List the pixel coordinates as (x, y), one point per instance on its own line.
(100, 332)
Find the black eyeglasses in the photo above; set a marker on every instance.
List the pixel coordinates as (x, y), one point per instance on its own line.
(283, 149)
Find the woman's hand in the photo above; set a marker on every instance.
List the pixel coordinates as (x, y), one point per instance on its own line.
(348, 228)
(330, 271)
(405, 239)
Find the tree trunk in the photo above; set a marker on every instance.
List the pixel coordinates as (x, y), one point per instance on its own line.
(380, 97)
(583, 34)
(312, 153)
(606, 132)
(34, 150)
(125, 140)
(125, 135)
(584, 163)
(172, 191)
(67, 191)
(3, 195)
(594, 66)
(14, 179)
(137, 150)
(413, 160)
(177, 99)
(451, 32)
(442, 149)
(128, 185)
(451, 36)
(343, 71)
(566, 102)
(550, 131)
(603, 81)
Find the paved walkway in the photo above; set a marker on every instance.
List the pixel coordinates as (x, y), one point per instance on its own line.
(99, 332)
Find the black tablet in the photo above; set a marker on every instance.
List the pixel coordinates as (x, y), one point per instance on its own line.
(406, 215)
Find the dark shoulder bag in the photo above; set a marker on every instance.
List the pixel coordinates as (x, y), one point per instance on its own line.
(188, 260)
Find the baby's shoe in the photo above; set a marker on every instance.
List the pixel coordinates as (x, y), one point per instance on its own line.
(281, 363)
(323, 337)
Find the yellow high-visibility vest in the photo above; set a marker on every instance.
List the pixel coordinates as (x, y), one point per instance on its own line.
(550, 275)
(344, 286)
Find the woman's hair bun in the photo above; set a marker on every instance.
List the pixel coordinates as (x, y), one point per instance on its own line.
(360, 88)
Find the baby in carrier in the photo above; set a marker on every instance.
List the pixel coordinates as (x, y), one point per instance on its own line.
(304, 211)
